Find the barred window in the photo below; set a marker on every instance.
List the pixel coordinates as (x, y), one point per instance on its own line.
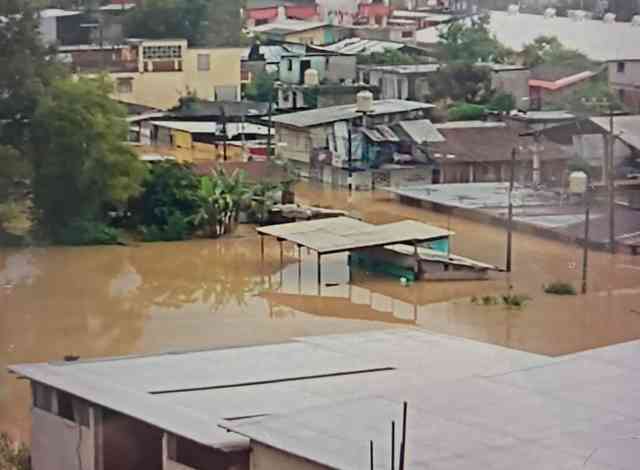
(162, 52)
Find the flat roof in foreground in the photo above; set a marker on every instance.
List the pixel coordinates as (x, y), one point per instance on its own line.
(339, 234)
(471, 405)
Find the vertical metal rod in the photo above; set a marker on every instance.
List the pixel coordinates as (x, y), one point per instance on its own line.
(350, 155)
(270, 124)
(319, 273)
(349, 267)
(371, 454)
(299, 270)
(585, 253)
(393, 445)
(611, 185)
(281, 254)
(512, 176)
(403, 444)
(262, 247)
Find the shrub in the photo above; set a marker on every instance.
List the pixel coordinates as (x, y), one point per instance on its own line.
(466, 112)
(502, 102)
(515, 300)
(13, 457)
(177, 228)
(560, 288)
(87, 232)
(488, 300)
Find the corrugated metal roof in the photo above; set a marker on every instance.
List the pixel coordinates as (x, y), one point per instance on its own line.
(194, 127)
(316, 117)
(421, 131)
(380, 134)
(341, 234)
(363, 46)
(626, 128)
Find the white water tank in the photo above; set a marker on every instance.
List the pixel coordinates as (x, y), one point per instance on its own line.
(550, 13)
(635, 21)
(364, 101)
(514, 9)
(578, 181)
(609, 18)
(311, 77)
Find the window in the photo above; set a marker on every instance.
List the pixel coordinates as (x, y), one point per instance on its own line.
(124, 85)
(43, 397)
(407, 34)
(162, 52)
(621, 67)
(621, 94)
(204, 62)
(65, 405)
(290, 65)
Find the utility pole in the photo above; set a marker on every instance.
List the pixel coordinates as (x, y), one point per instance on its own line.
(270, 124)
(512, 177)
(350, 159)
(585, 252)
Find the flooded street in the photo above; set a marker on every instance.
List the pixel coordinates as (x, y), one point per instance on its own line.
(216, 293)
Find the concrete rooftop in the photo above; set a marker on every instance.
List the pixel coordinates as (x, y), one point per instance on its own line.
(471, 405)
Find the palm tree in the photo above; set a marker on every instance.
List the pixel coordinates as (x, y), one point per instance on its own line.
(221, 197)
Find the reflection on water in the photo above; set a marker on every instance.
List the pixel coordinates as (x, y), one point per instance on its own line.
(216, 293)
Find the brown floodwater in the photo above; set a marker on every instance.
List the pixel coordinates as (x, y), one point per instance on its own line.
(104, 301)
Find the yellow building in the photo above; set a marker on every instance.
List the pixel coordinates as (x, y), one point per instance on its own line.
(156, 73)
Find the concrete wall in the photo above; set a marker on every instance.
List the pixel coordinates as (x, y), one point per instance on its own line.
(267, 458)
(392, 86)
(341, 68)
(48, 30)
(515, 82)
(298, 144)
(59, 444)
(626, 84)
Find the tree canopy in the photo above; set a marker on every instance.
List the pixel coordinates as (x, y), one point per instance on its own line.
(81, 162)
(472, 42)
(461, 82)
(261, 88)
(388, 57)
(549, 50)
(201, 22)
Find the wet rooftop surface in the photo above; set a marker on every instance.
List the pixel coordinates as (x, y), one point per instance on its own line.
(471, 405)
(94, 302)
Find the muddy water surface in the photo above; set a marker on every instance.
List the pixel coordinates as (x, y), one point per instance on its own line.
(214, 293)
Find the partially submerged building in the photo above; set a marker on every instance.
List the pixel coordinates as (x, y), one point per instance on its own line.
(317, 141)
(479, 151)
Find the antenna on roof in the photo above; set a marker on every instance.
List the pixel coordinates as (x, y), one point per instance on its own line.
(371, 454)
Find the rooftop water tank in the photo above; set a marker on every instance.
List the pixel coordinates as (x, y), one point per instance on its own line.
(311, 77)
(578, 181)
(364, 102)
(609, 18)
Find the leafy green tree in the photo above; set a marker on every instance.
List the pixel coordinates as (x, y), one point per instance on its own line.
(593, 99)
(261, 88)
(81, 161)
(461, 82)
(26, 70)
(162, 19)
(472, 42)
(466, 112)
(225, 23)
(549, 50)
(168, 203)
(502, 102)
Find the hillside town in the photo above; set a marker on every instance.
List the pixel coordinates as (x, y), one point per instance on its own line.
(319, 234)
